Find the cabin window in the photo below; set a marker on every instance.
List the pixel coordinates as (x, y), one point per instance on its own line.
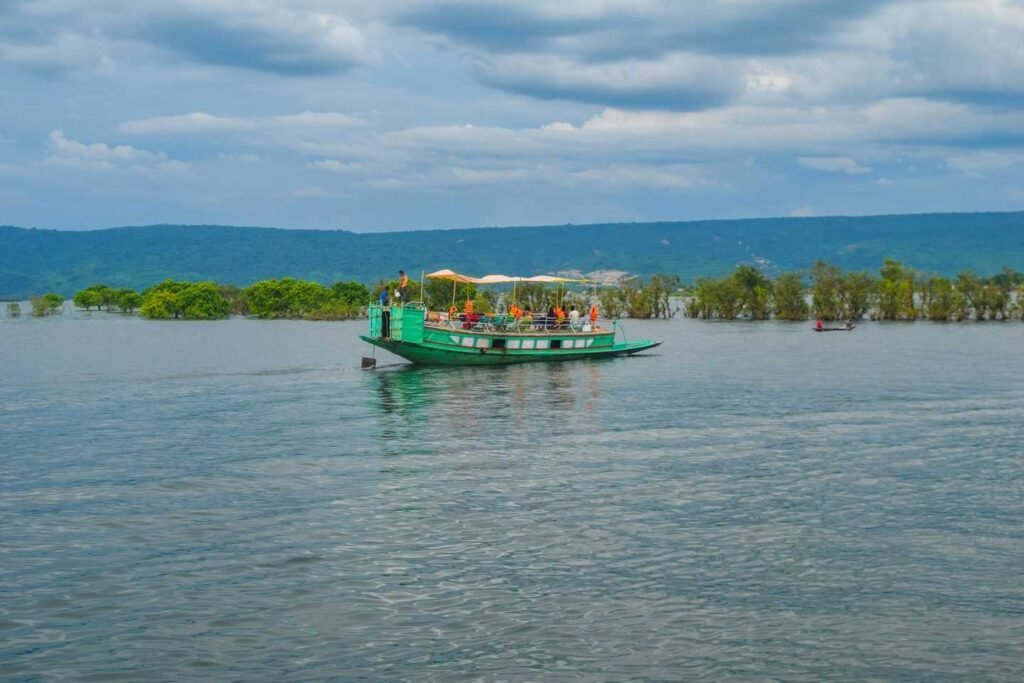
(483, 343)
(527, 343)
(542, 343)
(556, 343)
(498, 344)
(512, 343)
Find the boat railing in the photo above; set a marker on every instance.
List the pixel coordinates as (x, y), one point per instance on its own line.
(507, 324)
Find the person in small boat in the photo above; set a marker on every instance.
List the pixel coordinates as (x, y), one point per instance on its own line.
(403, 286)
(820, 325)
(847, 324)
(574, 318)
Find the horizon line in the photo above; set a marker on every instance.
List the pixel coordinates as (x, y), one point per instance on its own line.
(505, 227)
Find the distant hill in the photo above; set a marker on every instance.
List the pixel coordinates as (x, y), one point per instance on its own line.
(33, 261)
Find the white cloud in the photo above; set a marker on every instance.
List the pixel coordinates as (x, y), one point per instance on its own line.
(977, 164)
(833, 165)
(201, 122)
(672, 177)
(101, 156)
(196, 122)
(335, 166)
(310, 119)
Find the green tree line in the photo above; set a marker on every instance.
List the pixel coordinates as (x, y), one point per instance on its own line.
(178, 300)
(826, 292)
(895, 292)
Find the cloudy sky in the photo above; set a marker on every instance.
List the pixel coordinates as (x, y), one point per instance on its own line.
(392, 114)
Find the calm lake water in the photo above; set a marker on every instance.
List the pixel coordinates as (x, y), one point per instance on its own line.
(237, 501)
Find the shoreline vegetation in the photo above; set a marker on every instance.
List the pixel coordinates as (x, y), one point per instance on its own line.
(897, 292)
(825, 292)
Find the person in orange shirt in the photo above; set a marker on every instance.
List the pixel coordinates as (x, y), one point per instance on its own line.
(593, 314)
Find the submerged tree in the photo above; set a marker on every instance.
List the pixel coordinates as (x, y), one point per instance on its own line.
(47, 304)
(826, 293)
(612, 302)
(856, 294)
(660, 288)
(128, 300)
(790, 297)
(943, 302)
(187, 300)
(896, 292)
(720, 298)
(756, 291)
(88, 298)
(13, 309)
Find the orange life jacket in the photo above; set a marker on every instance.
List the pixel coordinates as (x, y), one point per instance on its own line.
(593, 313)
(469, 306)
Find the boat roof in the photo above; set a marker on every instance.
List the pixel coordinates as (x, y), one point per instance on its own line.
(496, 279)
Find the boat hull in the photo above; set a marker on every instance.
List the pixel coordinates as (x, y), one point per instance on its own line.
(430, 354)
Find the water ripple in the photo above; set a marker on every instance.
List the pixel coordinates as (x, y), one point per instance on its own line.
(746, 505)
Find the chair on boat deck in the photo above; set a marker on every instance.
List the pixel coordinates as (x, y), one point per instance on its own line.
(501, 322)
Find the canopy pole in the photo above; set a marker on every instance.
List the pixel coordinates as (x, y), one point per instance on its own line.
(455, 284)
(423, 284)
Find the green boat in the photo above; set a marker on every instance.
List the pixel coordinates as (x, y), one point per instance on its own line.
(406, 330)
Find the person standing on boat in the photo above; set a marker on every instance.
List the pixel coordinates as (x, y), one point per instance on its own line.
(574, 318)
(403, 286)
(820, 325)
(383, 298)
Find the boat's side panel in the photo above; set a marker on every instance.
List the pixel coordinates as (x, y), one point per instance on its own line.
(464, 339)
(427, 354)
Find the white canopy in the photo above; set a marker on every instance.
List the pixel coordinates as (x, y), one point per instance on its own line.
(451, 275)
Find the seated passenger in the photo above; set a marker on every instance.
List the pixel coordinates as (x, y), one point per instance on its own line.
(574, 318)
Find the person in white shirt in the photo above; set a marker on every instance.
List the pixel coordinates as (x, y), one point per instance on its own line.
(574, 318)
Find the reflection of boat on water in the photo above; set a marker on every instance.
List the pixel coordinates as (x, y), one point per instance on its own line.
(407, 331)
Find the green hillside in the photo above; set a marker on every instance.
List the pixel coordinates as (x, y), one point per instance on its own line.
(34, 261)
